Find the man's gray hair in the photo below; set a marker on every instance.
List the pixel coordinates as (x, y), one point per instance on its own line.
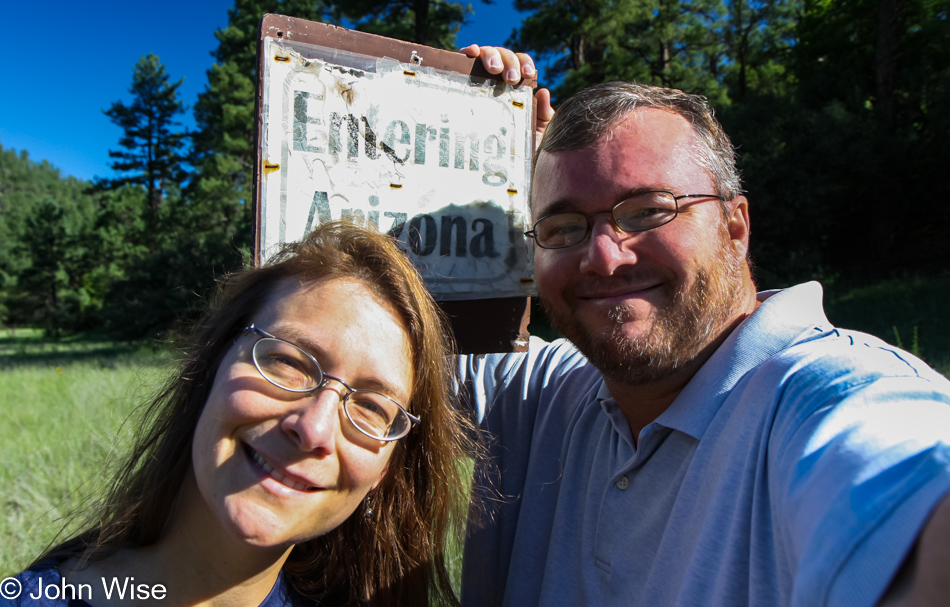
(592, 114)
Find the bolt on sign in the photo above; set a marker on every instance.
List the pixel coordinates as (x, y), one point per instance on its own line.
(396, 138)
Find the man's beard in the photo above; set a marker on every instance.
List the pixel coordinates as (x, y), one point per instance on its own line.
(695, 316)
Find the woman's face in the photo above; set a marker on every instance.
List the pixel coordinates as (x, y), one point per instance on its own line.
(277, 468)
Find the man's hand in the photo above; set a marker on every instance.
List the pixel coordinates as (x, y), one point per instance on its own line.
(515, 67)
(544, 114)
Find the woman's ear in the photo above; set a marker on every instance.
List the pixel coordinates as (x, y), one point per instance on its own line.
(382, 475)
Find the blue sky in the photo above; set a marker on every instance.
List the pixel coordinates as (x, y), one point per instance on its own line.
(66, 64)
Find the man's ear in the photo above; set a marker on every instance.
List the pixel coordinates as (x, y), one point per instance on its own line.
(738, 224)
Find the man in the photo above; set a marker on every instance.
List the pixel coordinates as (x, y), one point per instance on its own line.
(720, 447)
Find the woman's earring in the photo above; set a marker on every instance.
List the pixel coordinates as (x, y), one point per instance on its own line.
(368, 513)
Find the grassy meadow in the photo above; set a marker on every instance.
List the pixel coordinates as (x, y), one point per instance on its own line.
(62, 406)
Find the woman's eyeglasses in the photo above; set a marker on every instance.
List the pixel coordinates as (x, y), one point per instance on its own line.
(292, 368)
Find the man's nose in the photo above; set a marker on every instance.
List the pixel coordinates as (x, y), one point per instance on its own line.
(606, 248)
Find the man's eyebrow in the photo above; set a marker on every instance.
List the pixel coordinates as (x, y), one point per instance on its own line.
(561, 205)
(567, 205)
(648, 188)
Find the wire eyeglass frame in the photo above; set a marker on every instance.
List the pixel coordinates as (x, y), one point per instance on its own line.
(321, 380)
(635, 223)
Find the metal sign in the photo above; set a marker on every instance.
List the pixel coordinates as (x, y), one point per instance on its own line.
(438, 159)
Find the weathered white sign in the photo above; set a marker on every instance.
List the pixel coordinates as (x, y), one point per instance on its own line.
(439, 160)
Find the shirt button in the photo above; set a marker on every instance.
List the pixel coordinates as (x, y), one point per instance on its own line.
(623, 483)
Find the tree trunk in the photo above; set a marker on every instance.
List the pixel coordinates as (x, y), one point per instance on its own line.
(885, 60)
(421, 8)
(885, 85)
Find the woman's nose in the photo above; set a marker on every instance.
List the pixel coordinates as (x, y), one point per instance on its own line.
(315, 423)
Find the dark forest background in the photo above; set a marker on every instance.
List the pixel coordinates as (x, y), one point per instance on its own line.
(839, 110)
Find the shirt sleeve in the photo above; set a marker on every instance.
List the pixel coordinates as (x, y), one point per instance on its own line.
(860, 457)
(514, 395)
(519, 377)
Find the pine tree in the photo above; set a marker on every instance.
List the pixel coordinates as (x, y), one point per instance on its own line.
(204, 229)
(224, 142)
(662, 42)
(711, 47)
(152, 153)
(430, 22)
(46, 228)
(758, 36)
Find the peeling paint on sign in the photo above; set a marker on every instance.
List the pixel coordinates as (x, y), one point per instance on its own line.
(441, 161)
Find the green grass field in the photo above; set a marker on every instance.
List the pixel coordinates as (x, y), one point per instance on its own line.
(62, 406)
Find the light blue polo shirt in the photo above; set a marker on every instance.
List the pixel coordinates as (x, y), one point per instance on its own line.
(796, 468)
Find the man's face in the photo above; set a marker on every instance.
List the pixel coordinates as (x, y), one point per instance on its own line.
(638, 305)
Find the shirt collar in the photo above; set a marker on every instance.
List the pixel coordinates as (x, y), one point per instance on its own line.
(783, 318)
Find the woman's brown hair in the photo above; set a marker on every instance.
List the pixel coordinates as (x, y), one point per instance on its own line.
(396, 556)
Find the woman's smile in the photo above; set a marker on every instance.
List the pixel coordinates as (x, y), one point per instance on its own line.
(286, 480)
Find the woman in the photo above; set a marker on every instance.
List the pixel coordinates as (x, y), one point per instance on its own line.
(306, 452)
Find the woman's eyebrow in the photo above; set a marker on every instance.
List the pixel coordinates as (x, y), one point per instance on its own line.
(315, 350)
(297, 338)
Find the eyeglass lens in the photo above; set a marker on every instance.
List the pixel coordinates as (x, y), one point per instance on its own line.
(291, 368)
(635, 214)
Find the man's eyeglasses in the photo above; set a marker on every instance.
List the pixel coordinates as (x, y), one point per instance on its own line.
(292, 368)
(635, 214)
